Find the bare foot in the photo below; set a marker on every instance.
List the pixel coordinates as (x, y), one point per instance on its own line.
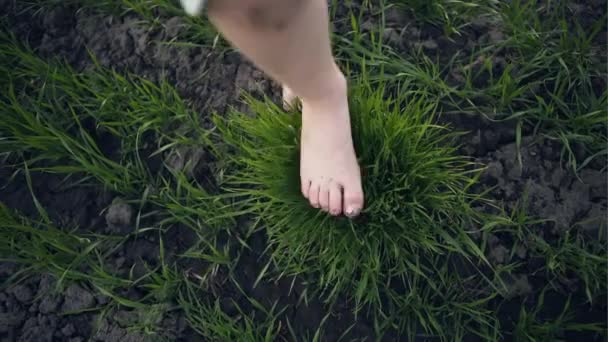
(330, 175)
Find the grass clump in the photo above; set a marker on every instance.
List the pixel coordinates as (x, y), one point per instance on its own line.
(532, 327)
(41, 247)
(452, 15)
(418, 205)
(543, 68)
(69, 256)
(573, 255)
(210, 319)
(98, 125)
(153, 13)
(134, 138)
(554, 78)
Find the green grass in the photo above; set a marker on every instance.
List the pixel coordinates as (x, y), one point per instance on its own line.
(42, 248)
(531, 327)
(451, 15)
(417, 215)
(553, 66)
(55, 121)
(207, 317)
(543, 73)
(409, 263)
(56, 116)
(153, 13)
(551, 61)
(572, 255)
(69, 256)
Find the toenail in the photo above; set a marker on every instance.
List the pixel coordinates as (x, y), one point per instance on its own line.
(352, 212)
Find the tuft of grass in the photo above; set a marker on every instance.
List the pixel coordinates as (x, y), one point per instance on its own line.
(129, 135)
(576, 86)
(573, 255)
(452, 15)
(546, 71)
(418, 205)
(211, 321)
(561, 72)
(98, 125)
(531, 327)
(153, 13)
(47, 107)
(71, 256)
(40, 247)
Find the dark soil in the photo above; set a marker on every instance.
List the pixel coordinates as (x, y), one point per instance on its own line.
(211, 81)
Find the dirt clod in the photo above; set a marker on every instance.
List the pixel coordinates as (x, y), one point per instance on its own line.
(68, 330)
(77, 298)
(49, 304)
(499, 254)
(516, 286)
(22, 293)
(119, 216)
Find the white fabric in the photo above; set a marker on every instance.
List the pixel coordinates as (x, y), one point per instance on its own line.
(193, 7)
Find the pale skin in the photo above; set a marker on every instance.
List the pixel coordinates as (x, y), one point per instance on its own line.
(289, 40)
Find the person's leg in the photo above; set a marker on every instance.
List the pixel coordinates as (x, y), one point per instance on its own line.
(289, 40)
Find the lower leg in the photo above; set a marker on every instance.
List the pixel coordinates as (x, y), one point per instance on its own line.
(289, 40)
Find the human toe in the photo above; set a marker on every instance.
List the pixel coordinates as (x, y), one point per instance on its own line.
(353, 200)
(324, 196)
(313, 194)
(335, 199)
(305, 187)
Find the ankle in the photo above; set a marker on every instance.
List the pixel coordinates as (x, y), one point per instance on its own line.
(331, 87)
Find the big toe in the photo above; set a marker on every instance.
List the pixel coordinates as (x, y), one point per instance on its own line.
(353, 200)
